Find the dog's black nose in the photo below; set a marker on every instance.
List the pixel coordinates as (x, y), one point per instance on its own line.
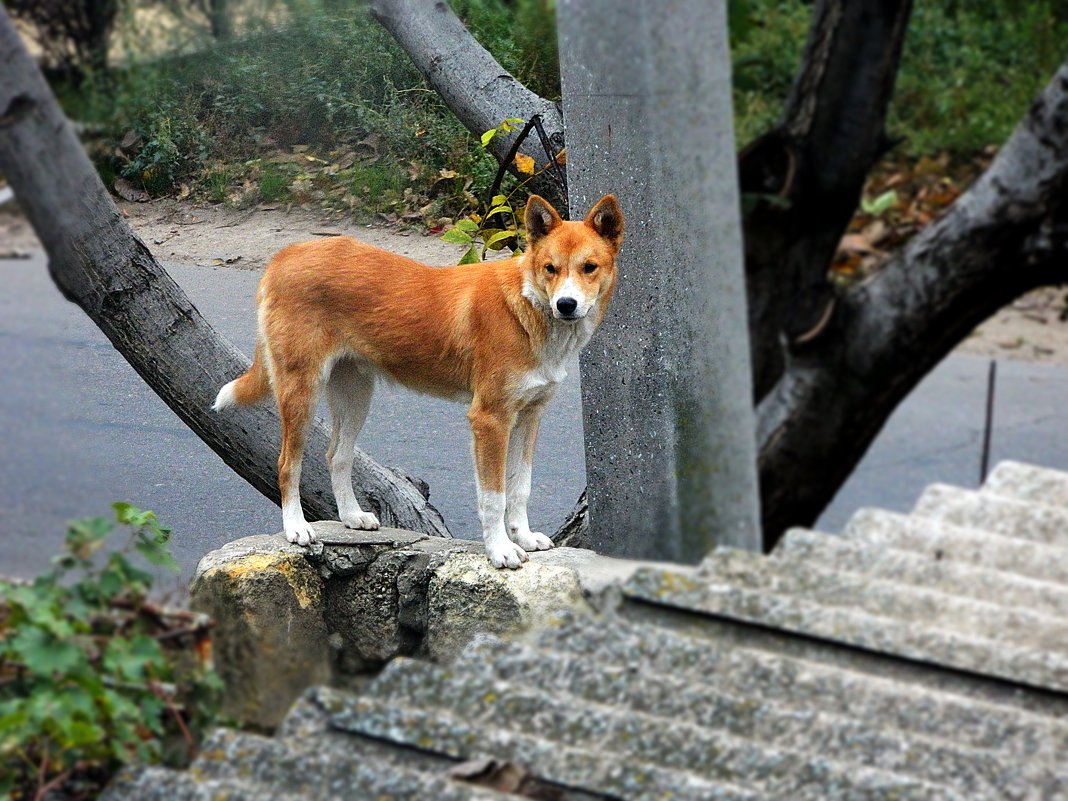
(567, 306)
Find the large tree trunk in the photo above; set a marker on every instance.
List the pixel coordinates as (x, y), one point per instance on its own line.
(815, 163)
(100, 264)
(478, 90)
(1006, 235)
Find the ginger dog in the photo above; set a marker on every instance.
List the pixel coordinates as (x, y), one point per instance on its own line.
(339, 314)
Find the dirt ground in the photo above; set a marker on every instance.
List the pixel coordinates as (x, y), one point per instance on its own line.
(1028, 330)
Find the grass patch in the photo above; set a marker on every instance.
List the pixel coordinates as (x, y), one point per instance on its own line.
(274, 185)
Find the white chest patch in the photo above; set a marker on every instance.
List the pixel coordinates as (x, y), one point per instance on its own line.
(563, 342)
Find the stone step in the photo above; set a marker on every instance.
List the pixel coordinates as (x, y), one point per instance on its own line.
(924, 571)
(306, 717)
(460, 737)
(628, 737)
(161, 784)
(845, 624)
(981, 774)
(324, 768)
(1025, 482)
(800, 684)
(940, 540)
(1026, 520)
(923, 608)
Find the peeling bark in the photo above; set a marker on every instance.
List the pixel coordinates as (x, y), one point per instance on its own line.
(100, 264)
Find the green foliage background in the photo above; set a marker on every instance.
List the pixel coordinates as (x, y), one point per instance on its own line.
(324, 74)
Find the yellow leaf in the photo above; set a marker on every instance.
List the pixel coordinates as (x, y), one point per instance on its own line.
(525, 164)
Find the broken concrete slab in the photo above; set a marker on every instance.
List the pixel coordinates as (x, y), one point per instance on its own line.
(270, 640)
(467, 595)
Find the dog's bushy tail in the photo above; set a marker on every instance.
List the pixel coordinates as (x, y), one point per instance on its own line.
(251, 387)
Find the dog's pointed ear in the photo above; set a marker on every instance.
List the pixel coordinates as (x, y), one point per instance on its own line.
(540, 218)
(606, 218)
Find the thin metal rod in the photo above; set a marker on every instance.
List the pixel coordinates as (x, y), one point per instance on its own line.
(988, 429)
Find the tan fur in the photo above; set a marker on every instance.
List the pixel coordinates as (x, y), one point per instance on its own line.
(462, 332)
(254, 385)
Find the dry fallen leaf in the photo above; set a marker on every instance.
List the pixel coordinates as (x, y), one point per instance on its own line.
(503, 776)
(524, 164)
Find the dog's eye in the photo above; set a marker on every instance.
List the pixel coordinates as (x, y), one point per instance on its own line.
(550, 269)
(589, 267)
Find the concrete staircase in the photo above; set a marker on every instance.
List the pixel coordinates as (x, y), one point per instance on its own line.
(920, 656)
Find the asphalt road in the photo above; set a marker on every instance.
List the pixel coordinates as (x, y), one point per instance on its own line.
(78, 430)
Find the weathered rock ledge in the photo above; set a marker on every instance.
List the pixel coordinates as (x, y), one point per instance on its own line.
(288, 618)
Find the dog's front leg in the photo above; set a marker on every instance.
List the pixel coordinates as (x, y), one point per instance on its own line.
(520, 463)
(490, 428)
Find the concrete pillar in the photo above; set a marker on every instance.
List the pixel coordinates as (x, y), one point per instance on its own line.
(666, 382)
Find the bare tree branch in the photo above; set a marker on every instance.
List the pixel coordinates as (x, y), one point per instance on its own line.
(100, 264)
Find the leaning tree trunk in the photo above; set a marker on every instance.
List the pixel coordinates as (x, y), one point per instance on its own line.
(100, 264)
(478, 90)
(1006, 235)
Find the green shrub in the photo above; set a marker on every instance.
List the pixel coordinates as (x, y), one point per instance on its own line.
(521, 34)
(86, 684)
(329, 77)
(970, 70)
(175, 147)
(767, 42)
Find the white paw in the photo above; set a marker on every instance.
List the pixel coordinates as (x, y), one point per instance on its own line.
(300, 533)
(362, 521)
(506, 554)
(531, 540)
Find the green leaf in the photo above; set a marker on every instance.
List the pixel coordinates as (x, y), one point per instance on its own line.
(487, 137)
(498, 210)
(130, 515)
(496, 242)
(84, 537)
(879, 205)
(153, 545)
(467, 226)
(456, 236)
(128, 659)
(471, 256)
(499, 200)
(43, 653)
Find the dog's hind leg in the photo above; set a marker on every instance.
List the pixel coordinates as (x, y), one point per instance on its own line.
(520, 462)
(296, 393)
(348, 394)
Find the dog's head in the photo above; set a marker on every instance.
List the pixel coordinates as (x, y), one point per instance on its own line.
(571, 266)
